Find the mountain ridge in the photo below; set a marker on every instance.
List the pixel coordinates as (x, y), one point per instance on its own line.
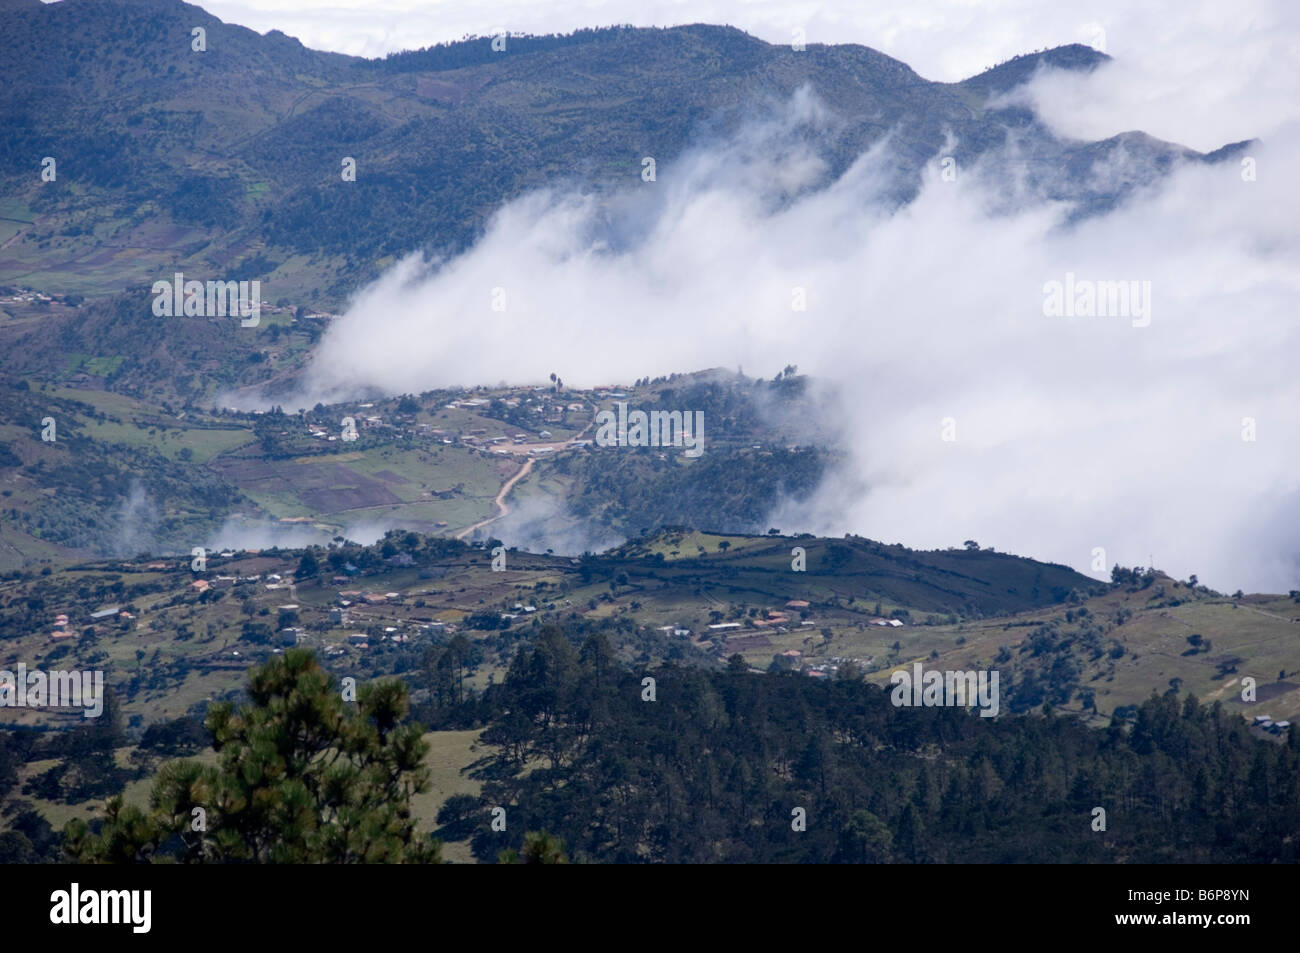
(228, 160)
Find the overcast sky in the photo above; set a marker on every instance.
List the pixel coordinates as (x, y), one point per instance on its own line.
(1073, 434)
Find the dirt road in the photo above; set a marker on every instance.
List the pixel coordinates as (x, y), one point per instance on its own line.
(500, 502)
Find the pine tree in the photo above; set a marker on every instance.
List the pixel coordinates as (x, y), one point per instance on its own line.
(302, 777)
(539, 848)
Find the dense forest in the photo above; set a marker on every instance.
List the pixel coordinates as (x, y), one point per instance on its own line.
(685, 765)
(714, 766)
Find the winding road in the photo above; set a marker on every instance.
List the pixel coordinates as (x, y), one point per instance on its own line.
(500, 502)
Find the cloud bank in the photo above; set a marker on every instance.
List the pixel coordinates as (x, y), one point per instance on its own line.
(1072, 434)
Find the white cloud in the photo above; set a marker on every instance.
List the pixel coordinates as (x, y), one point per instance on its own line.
(1072, 432)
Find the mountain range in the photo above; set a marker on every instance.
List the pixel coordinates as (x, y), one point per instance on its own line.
(229, 160)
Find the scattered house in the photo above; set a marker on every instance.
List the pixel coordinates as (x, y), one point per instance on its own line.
(105, 613)
(125, 615)
(338, 617)
(725, 625)
(793, 654)
(290, 636)
(61, 634)
(530, 608)
(813, 673)
(1262, 719)
(359, 639)
(545, 435)
(274, 577)
(895, 622)
(373, 599)
(796, 604)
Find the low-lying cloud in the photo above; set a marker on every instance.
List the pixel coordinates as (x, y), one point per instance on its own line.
(1069, 433)
(238, 532)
